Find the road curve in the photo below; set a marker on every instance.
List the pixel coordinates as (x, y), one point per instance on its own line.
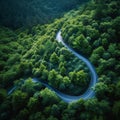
(67, 98)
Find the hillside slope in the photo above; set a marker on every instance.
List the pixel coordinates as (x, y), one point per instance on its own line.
(19, 13)
(92, 30)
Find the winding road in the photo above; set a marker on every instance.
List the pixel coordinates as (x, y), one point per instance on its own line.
(67, 98)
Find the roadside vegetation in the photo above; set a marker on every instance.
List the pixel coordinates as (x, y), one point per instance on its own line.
(93, 31)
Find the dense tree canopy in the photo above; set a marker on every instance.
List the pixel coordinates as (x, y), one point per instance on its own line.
(92, 30)
(15, 13)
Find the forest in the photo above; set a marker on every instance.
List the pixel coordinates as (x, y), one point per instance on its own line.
(92, 29)
(26, 13)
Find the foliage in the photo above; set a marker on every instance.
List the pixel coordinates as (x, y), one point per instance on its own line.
(93, 31)
(16, 14)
